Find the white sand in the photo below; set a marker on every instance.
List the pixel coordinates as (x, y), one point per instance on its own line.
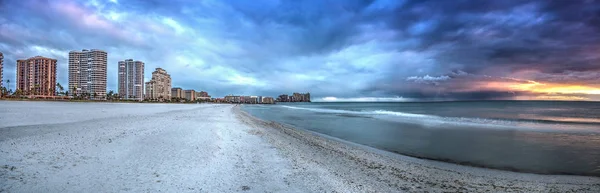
(95, 147)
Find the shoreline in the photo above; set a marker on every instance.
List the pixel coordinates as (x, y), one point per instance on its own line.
(409, 173)
(79, 147)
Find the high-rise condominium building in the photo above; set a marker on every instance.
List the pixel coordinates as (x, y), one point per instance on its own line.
(36, 76)
(87, 73)
(160, 85)
(131, 79)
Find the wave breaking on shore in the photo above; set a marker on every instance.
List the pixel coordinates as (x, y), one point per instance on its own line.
(377, 168)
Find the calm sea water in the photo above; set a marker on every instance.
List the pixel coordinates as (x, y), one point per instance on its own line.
(538, 137)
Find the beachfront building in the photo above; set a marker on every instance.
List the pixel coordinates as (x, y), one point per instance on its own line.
(203, 98)
(159, 87)
(203, 94)
(87, 73)
(295, 97)
(244, 99)
(177, 93)
(252, 100)
(228, 99)
(300, 97)
(131, 79)
(232, 99)
(36, 76)
(283, 98)
(149, 86)
(268, 100)
(189, 94)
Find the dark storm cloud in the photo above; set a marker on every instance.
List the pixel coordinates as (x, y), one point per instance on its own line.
(425, 49)
(499, 38)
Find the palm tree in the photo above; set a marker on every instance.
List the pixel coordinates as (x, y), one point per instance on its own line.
(59, 87)
(8, 83)
(18, 92)
(73, 91)
(109, 95)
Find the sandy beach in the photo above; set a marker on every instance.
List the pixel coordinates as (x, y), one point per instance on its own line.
(105, 147)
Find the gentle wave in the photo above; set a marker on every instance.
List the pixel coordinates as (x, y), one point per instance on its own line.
(377, 112)
(382, 112)
(432, 119)
(323, 110)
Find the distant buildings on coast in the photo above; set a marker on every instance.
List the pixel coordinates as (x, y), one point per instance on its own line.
(159, 87)
(87, 73)
(177, 93)
(36, 76)
(249, 99)
(189, 94)
(131, 80)
(295, 97)
(87, 80)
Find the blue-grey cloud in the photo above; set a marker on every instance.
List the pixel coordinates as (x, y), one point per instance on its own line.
(333, 48)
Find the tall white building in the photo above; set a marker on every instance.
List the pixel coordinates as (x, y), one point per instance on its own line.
(87, 73)
(160, 85)
(131, 79)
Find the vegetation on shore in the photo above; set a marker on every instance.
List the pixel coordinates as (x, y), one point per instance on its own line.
(35, 94)
(60, 94)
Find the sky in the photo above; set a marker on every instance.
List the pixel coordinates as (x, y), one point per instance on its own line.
(338, 50)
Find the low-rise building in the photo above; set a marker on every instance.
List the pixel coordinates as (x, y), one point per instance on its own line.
(203, 98)
(233, 99)
(268, 100)
(203, 94)
(190, 94)
(301, 97)
(177, 93)
(295, 97)
(283, 98)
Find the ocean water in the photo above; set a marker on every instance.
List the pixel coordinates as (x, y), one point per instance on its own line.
(527, 136)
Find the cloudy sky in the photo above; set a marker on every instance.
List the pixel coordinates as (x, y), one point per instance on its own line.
(336, 49)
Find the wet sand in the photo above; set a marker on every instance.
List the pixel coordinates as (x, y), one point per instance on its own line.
(360, 168)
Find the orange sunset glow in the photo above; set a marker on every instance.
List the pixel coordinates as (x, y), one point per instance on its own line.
(537, 87)
(540, 90)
